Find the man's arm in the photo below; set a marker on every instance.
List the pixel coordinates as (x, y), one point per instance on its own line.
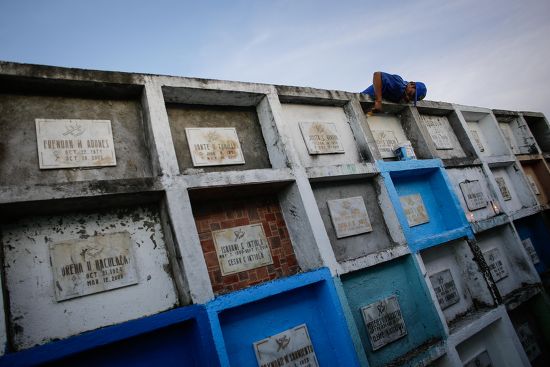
(377, 83)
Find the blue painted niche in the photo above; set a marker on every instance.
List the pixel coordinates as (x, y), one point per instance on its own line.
(179, 337)
(241, 318)
(400, 277)
(429, 179)
(534, 227)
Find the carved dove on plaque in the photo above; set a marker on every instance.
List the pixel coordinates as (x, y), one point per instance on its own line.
(414, 209)
(349, 216)
(384, 322)
(214, 146)
(321, 137)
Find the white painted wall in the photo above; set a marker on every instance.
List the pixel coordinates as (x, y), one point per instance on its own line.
(384, 123)
(487, 127)
(458, 175)
(514, 203)
(37, 318)
(296, 113)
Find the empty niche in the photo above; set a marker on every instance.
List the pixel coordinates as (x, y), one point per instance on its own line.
(321, 135)
(540, 130)
(75, 272)
(217, 138)
(459, 286)
(473, 192)
(244, 240)
(67, 132)
(353, 218)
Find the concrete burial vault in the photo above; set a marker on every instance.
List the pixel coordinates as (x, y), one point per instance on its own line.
(159, 220)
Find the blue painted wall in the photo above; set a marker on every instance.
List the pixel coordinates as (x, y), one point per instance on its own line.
(429, 179)
(179, 337)
(250, 315)
(535, 228)
(399, 277)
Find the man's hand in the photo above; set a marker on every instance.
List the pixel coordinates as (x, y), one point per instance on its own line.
(377, 106)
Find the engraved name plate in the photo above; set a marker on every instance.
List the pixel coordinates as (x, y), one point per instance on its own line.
(528, 245)
(96, 264)
(74, 143)
(528, 341)
(477, 140)
(290, 348)
(473, 195)
(495, 263)
(445, 288)
(349, 216)
(503, 188)
(481, 360)
(214, 146)
(321, 137)
(384, 322)
(533, 184)
(414, 209)
(242, 248)
(386, 142)
(437, 128)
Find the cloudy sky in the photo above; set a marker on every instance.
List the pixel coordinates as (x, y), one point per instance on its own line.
(492, 54)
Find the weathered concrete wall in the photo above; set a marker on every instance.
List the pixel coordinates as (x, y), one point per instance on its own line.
(244, 119)
(293, 114)
(353, 247)
(18, 148)
(36, 317)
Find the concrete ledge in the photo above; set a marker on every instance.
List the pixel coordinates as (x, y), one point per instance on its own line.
(341, 172)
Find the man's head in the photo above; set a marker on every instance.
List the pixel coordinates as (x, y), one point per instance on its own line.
(415, 91)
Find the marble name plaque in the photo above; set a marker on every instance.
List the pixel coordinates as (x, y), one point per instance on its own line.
(290, 348)
(481, 360)
(445, 288)
(214, 146)
(496, 264)
(528, 341)
(503, 188)
(528, 245)
(242, 248)
(349, 216)
(321, 137)
(386, 142)
(477, 139)
(74, 143)
(414, 209)
(96, 264)
(473, 195)
(384, 322)
(437, 128)
(533, 184)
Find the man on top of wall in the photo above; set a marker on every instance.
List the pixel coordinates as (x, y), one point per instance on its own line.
(394, 89)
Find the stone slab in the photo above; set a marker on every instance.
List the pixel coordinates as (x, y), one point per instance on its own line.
(289, 348)
(437, 128)
(386, 142)
(214, 146)
(493, 258)
(414, 209)
(445, 288)
(96, 264)
(349, 216)
(242, 248)
(384, 322)
(503, 188)
(528, 245)
(321, 137)
(65, 143)
(473, 194)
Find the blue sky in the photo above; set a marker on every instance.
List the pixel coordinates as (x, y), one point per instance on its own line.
(486, 53)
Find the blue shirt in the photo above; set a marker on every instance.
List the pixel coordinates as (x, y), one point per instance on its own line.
(393, 87)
